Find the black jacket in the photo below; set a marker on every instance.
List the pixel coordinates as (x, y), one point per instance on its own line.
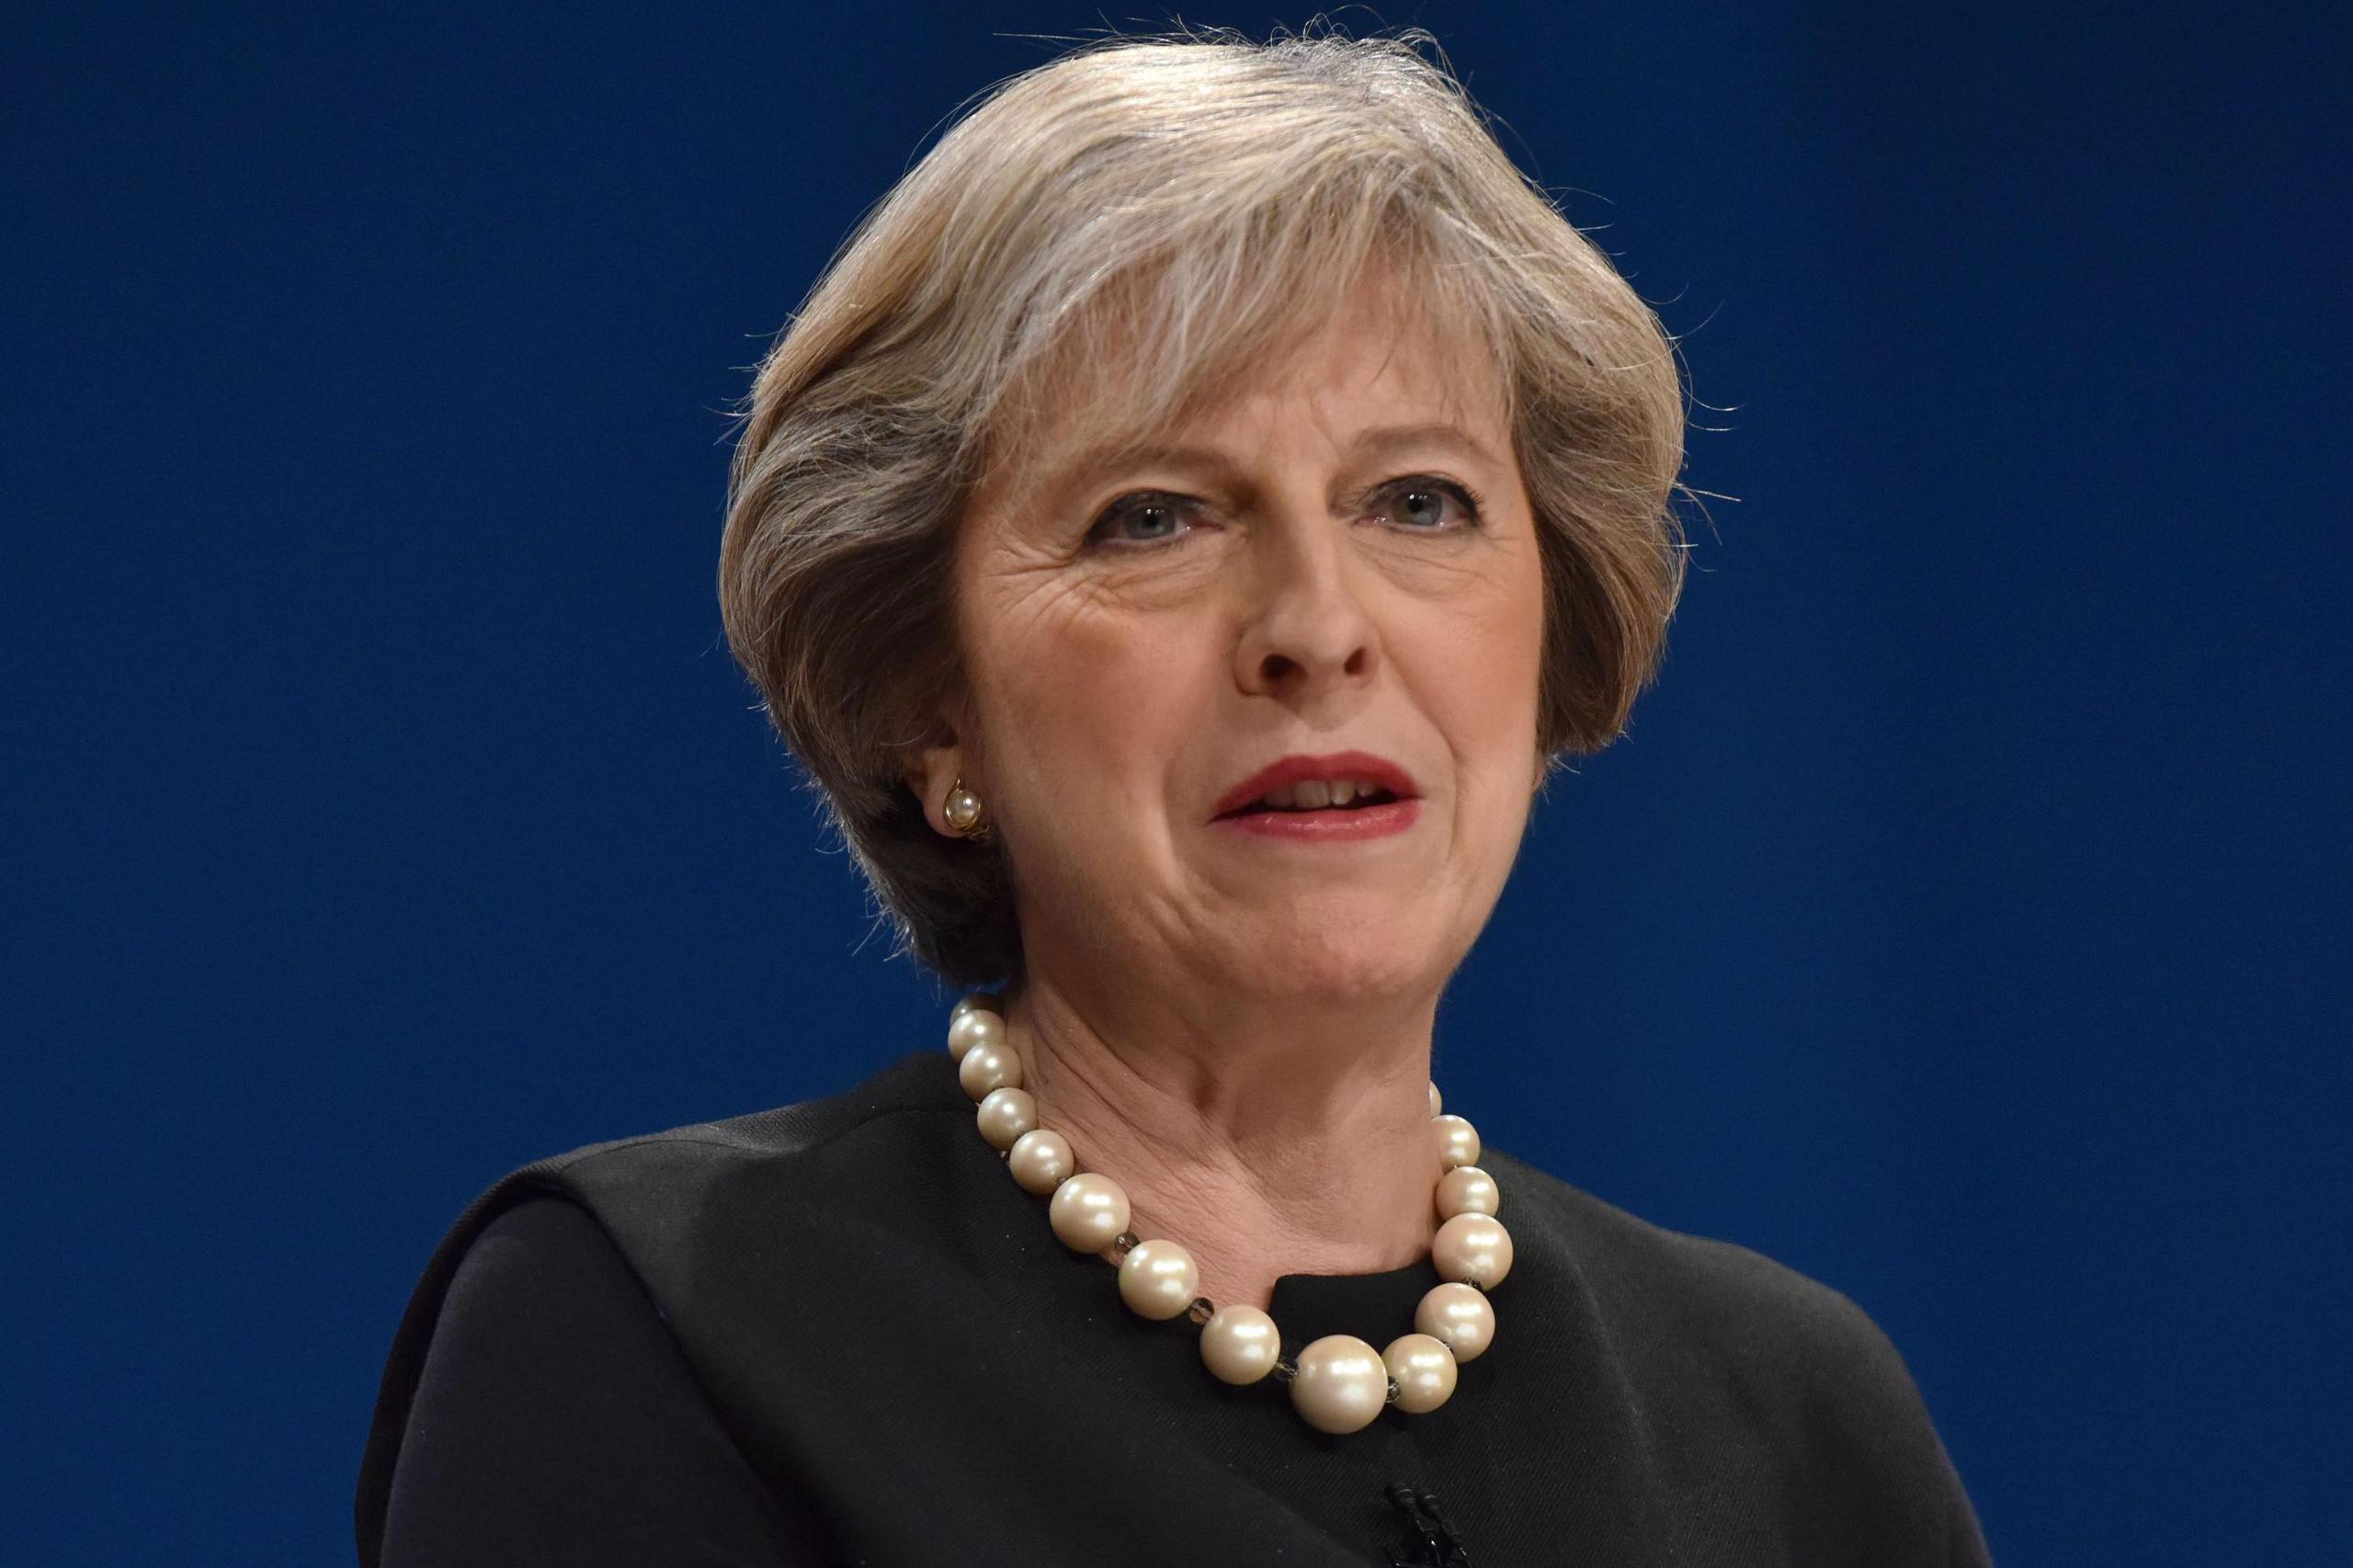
(839, 1333)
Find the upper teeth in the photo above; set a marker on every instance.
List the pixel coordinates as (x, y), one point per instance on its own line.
(1311, 794)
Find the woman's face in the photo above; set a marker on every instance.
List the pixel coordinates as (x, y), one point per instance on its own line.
(1297, 579)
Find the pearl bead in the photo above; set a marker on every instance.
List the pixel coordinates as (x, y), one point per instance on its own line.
(1005, 1115)
(1088, 1211)
(1342, 1383)
(1467, 1189)
(1424, 1371)
(1040, 1161)
(1459, 1317)
(1158, 1279)
(968, 1030)
(1472, 1248)
(978, 1002)
(1458, 1141)
(1436, 1103)
(989, 1066)
(1241, 1345)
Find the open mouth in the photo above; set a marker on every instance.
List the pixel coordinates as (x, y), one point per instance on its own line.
(1317, 795)
(1337, 797)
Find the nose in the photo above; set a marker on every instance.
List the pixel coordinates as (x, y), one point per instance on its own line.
(1307, 632)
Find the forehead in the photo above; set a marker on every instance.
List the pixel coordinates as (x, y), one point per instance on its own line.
(1381, 358)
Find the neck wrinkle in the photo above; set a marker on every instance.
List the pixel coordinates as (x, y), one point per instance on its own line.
(1261, 1163)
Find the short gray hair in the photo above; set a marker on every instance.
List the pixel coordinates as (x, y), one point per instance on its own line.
(1187, 191)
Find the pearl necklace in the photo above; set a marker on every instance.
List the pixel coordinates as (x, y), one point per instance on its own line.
(1339, 1382)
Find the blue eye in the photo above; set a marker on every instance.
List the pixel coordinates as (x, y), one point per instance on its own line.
(1419, 504)
(1145, 517)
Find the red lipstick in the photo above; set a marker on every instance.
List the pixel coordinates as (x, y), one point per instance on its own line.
(1326, 825)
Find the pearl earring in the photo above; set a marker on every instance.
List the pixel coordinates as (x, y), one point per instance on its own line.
(963, 810)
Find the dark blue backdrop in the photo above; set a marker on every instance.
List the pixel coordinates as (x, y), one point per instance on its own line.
(1963, 921)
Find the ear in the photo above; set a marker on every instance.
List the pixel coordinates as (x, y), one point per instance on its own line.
(931, 772)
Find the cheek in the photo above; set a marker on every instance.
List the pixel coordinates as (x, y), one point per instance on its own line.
(1484, 667)
(1493, 699)
(1083, 699)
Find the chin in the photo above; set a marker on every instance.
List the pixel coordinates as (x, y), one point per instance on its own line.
(1341, 963)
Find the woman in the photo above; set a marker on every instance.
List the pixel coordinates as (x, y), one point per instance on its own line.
(1177, 535)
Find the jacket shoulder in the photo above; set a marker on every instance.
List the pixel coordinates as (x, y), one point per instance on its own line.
(1699, 1279)
(1793, 1350)
(647, 1192)
(915, 1084)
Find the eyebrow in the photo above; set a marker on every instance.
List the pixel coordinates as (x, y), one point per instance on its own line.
(1101, 462)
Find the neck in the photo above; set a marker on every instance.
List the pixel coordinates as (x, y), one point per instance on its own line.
(1266, 1139)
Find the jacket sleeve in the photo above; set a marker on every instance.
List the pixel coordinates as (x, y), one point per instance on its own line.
(556, 1421)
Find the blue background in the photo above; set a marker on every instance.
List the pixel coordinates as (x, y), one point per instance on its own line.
(1963, 921)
